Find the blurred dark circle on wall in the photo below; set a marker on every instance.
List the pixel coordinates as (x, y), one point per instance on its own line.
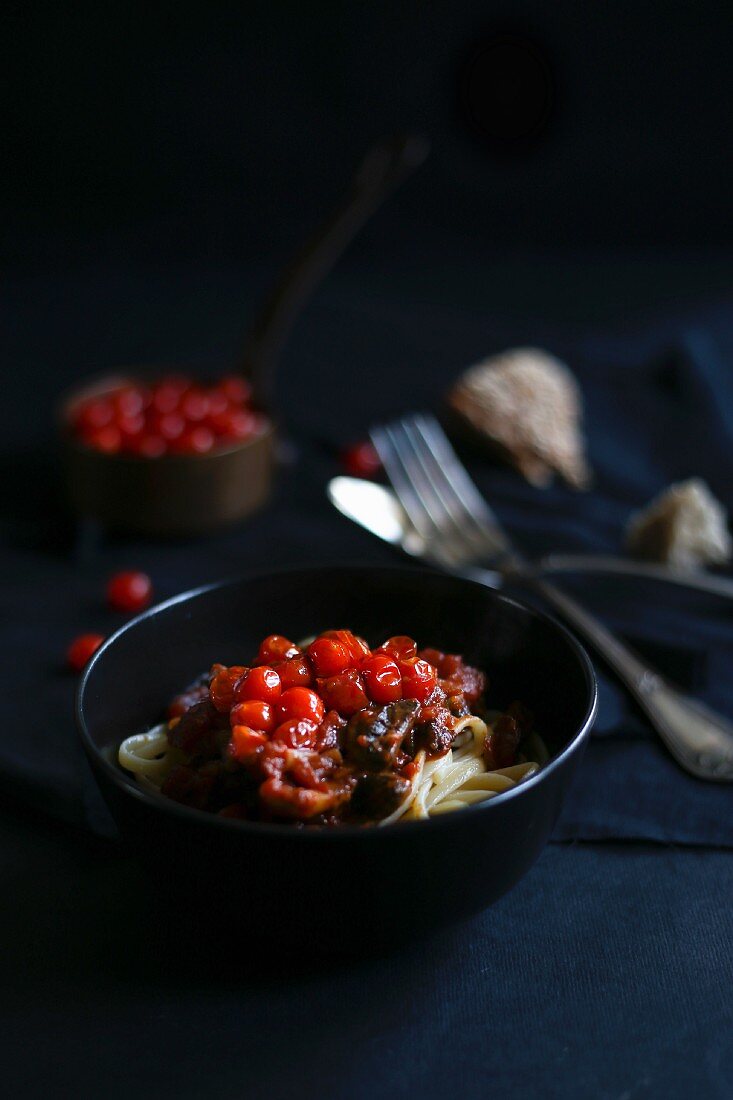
(507, 92)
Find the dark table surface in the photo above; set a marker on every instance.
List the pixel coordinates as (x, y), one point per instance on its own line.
(608, 971)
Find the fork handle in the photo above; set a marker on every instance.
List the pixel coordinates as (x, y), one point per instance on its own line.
(699, 739)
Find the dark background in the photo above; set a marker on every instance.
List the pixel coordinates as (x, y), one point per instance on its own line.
(209, 130)
(165, 159)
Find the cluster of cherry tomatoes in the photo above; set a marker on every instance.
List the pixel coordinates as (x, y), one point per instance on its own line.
(287, 692)
(129, 591)
(174, 415)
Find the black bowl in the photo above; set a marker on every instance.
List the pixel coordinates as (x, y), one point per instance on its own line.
(347, 886)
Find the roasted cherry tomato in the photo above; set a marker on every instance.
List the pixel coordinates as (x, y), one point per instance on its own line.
(255, 714)
(295, 672)
(356, 647)
(129, 591)
(344, 693)
(328, 657)
(223, 685)
(400, 647)
(261, 683)
(361, 460)
(297, 733)
(297, 703)
(276, 648)
(81, 650)
(382, 678)
(418, 679)
(245, 742)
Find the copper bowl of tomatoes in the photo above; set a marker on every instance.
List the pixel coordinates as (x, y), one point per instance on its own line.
(166, 454)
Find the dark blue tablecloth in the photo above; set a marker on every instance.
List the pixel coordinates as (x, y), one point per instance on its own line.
(658, 408)
(607, 971)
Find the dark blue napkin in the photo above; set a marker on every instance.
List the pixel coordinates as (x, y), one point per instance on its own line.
(658, 408)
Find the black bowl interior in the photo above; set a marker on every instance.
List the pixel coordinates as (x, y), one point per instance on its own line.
(526, 655)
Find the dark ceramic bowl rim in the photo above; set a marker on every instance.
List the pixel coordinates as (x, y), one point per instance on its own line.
(319, 835)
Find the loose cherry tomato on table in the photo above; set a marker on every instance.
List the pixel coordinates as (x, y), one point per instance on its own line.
(382, 678)
(255, 714)
(129, 591)
(81, 649)
(328, 656)
(361, 460)
(418, 679)
(262, 683)
(298, 702)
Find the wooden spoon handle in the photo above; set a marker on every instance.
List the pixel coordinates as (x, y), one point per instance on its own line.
(384, 167)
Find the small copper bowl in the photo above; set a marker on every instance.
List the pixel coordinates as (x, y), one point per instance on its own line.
(176, 494)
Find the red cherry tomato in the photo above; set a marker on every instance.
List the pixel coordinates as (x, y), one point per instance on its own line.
(255, 714)
(148, 446)
(130, 429)
(261, 683)
(107, 440)
(218, 402)
(194, 440)
(129, 401)
(236, 389)
(81, 650)
(194, 405)
(356, 647)
(167, 393)
(296, 672)
(418, 679)
(94, 413)
(328, 657)
(276, 648)
(297, 733)
(169, 425)
(382, 678)
(361, 460)
(297, 703)
(245, 742)
(344, 693)
(223, 684)
(400, 647)
(233, 424)
(129, 591)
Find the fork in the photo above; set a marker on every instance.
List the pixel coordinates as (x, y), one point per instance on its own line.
(459, 532)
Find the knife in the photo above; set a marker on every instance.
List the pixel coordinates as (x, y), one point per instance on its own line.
(375, 508)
